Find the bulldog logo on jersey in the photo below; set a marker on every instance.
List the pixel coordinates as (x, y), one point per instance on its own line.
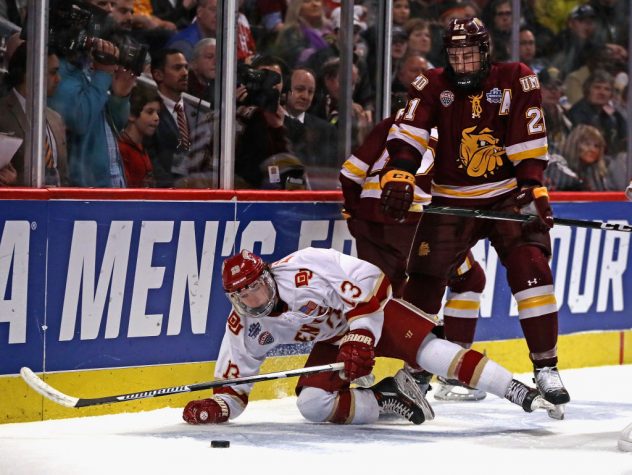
(479, 153)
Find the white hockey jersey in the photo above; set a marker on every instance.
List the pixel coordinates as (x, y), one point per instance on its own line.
(325, 294)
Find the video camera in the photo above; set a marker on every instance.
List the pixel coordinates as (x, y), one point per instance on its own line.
(75, 24)
(260, 86)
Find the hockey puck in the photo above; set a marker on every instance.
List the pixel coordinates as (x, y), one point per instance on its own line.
(220, 444)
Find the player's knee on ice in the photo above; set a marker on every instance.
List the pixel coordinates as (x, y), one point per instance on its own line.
(318, 405)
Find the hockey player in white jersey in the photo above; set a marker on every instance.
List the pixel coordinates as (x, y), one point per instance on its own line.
(343, 305)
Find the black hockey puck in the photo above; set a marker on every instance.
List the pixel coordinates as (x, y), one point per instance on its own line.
(220, 444)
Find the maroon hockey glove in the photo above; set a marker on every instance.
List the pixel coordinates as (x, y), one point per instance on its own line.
(398, 189)
(535, 201)
(357, 353)
(206, 411)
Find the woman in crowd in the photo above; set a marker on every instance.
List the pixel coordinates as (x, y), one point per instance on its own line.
(585, 152)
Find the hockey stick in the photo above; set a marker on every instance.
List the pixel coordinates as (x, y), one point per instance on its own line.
(49, 392)
(500, 215)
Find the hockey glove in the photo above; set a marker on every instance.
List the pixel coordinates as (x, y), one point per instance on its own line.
(628, 191)
(357, 353)
(398, 189)
(534, 201)
(206, 411)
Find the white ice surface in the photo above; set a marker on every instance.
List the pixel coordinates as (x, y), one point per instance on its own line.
(487, 437)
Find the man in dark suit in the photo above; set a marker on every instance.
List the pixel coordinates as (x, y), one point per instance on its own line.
(316, 143)
(13, 121)
(181, 147)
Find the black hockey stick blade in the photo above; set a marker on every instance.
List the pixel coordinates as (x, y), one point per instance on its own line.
(503, 216)
(49, 392)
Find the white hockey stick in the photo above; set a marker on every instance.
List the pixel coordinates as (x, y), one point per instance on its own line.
(49, 392)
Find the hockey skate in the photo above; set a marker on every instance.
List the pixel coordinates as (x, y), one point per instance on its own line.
(421, 377)
(549, 383)
(625, 439)
(527, 398)
(400, 395)
(455, 390)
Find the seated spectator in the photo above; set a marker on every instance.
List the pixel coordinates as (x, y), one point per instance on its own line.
(181, 147)
(363, 91)
(399, 46)
(143, 28)
(204, 26)
(143, 16)
(527, 50)
(497, 16)
(411, 66)
(179, 12)
(610, 58)
(612, 19)
(303, 32)
(143, 122)
(13, 121)
(573, 42)
(327, 105)
(419, 38)
(558, 125)
(585, 152)
(202, 70)
(316, 144)
(260, 129)
(596, 109)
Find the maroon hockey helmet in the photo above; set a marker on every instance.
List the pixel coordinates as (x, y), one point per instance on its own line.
(464, 33)
(249, 285)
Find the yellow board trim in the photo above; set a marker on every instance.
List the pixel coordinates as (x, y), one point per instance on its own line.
(21, 404)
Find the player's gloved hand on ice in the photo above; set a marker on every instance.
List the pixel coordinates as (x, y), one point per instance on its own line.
(398, 190)
(357, 353)
(534, 200)
(206, 411)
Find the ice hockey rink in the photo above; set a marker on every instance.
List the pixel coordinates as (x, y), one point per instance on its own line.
(487, 437)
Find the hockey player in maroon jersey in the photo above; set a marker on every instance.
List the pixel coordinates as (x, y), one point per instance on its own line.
(345, 306)
(384, 242)
(491, 154)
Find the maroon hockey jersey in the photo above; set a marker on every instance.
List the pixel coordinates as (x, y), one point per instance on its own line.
(360, 178)
(489, 139)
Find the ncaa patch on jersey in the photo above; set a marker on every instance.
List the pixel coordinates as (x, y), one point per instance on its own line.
(494, 96)
(266, 338)
(446, 98)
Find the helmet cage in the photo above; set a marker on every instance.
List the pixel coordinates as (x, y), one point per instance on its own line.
(464, 33)
(265, 282)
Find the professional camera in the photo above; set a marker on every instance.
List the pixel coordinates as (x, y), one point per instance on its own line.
(75, 24)
(260, 86)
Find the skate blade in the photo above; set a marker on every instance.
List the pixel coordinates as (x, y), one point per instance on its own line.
(554, 412)
(404, 380)
(458, 393)
(557, 412)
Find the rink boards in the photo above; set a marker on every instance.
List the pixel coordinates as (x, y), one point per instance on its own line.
(112, 296)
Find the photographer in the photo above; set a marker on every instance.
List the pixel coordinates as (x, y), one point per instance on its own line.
(260, 123)
(92, 98)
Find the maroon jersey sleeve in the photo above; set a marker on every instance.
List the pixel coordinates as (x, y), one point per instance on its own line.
(525, 140)
(355, 169)
(409, 136)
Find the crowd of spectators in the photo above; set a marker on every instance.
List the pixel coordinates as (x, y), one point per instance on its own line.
(109, 127)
